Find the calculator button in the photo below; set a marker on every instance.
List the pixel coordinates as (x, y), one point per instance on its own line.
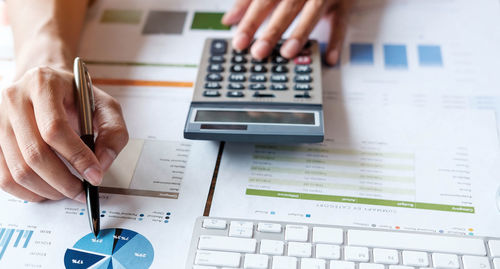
(218, 46)
(211, 93)
(257, 61)
(279, 87)
(279, 60)
(235, 86)
(303, 95)
(258, 68)
(238, 68)
(302, 87)
(303, 69)
(240, 52)
(215, 68)
(261, 95)
(258, 78)
(235, 94)
(280, 69)
(279, 78)
(212, 85)
(217, 59)
(214, 77)
(239, 59)
(257, 86)
(237, 78)
(304, 59)
(302, 78)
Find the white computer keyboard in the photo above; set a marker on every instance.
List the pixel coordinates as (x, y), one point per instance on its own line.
(235, 243)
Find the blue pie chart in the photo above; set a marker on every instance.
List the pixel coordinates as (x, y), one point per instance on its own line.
(112, 249)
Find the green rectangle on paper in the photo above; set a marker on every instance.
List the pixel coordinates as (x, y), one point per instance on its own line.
(357, 200)
(208, 21)
(127, 16)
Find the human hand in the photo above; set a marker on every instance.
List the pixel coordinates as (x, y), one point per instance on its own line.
(251, 13)
(38, 118)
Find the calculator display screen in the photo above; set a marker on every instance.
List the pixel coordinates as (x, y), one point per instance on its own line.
(277, 117)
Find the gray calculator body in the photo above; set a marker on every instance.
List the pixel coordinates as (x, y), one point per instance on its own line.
(237, 98)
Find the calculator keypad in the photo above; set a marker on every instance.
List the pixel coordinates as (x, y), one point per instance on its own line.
(231, 75)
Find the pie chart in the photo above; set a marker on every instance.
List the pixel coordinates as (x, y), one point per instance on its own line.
(113, 249)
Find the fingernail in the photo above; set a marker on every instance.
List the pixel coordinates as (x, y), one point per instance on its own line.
(81, 197)
(241, 41)
(106, 158)
(260, 49)
(225, 19)
(332, 57)
(290, 48)
(93, 174)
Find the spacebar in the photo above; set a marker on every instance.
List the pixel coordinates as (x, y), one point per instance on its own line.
(423, 242)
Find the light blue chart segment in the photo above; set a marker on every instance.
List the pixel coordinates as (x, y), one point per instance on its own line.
(430, 55)
(4, 243)
(361, 54)
(395, 57)
(114, 249)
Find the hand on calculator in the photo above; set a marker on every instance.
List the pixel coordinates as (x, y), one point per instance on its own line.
(251, 14)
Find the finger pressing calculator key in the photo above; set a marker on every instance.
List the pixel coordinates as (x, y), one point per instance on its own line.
(271, 100)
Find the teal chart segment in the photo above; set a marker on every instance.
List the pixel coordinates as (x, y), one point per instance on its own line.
(113, 249)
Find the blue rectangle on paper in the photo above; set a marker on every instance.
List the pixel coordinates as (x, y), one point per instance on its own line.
(430, 55)
(19, 236)
(361, 53)
(5, 242)
(27, 241)
(395, 56)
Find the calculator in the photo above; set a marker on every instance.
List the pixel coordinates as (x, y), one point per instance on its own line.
(240, 99)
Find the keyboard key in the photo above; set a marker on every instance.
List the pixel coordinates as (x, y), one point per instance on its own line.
(279, 60)
(356, 254)
(496, 263)
(241, 229)
(279, 69)
(422, 242)
(282, 262)
(211, 93)
(494, 247)
(212, 85)
(385, 256)
(448, 261)
(218, 46)
(214, 224)
(217, 59)
(215, 68)
(258, 68)
(302, 250)
(238, 68)
(256, 261)
(257, 86)
(303, 69)
(214, 77)
(237, 78)
(263, 95)
(302, 78)
(310, 263)
(371, 266)
(304, 59)
(269, 227)
(235, 94)
(279, 87)
(476, 262)
(298, 233)
(279, 78)
(304, 95)
(235, 86)
(239, 59)
(327, 235)
(271, 247)
(342, 265)
(258, 78)
(224, 243)
(217, 258)
(331, 252)
(415, 258)
(302, 87)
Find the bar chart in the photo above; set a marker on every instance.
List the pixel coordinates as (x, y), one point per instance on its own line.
(13, 238)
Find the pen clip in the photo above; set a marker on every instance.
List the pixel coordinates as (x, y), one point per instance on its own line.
(89, 86)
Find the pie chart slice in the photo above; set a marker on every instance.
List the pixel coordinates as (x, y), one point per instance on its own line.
(113, 249)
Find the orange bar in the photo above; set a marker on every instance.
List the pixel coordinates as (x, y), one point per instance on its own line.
(133, 82)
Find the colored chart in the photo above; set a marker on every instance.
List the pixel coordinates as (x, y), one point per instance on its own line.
(20, 238)
(113, 249)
